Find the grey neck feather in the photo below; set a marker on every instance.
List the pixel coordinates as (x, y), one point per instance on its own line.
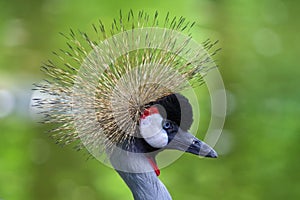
(145, 186)
(138, 174)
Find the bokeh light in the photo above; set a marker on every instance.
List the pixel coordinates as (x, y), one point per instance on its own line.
(7, 103)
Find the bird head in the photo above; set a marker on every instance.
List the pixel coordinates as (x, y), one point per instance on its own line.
(122, 89)
(164, 125)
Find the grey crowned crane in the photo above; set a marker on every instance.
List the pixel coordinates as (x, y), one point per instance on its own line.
(118, 94)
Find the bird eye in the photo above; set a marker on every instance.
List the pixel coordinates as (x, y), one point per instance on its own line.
(166, 125)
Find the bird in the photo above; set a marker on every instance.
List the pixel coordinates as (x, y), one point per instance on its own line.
(119, 93)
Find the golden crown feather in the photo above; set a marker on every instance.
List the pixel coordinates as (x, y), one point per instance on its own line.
(97, 89)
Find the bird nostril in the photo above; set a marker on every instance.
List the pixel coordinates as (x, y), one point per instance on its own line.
(195, 142)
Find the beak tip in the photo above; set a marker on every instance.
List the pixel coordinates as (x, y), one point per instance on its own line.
(212, 154)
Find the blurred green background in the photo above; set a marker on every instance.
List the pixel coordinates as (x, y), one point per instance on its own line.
(259, 152)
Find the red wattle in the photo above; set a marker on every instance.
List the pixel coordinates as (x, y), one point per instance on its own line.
(154, 166)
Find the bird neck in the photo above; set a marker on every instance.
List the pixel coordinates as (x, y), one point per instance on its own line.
(138, 173)
(145, 186)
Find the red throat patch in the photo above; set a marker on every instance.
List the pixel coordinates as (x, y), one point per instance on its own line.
(154, 165)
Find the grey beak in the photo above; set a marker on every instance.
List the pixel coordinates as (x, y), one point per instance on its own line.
(185, 141)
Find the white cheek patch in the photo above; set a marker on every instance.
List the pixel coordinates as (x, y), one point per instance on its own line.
(152, 131)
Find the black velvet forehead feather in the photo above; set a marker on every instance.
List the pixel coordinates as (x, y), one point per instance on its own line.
(176, 107)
